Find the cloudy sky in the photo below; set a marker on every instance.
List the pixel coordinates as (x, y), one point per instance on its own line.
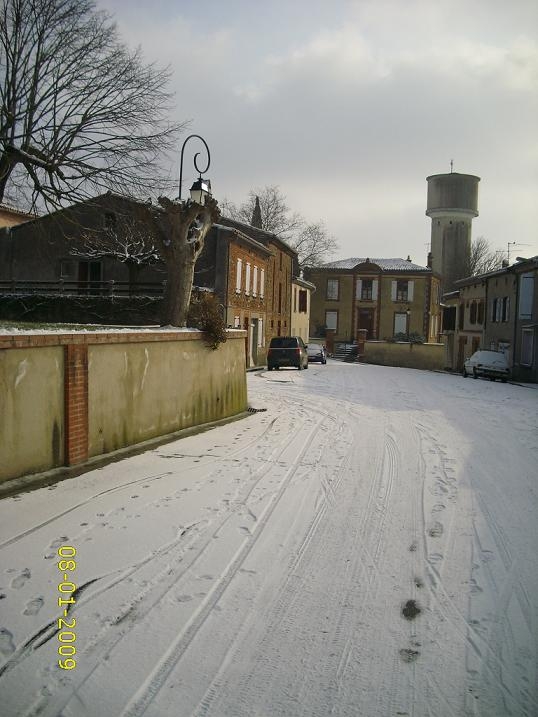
(348, 105)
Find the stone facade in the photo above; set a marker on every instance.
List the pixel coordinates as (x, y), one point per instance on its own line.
(384, 297)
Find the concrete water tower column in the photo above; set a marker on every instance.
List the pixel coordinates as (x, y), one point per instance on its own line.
(452, 205)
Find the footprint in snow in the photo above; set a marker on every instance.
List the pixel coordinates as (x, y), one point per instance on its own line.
(53, 547)
(7, 646)
(436, 530)
(33, 606)
(20, 580)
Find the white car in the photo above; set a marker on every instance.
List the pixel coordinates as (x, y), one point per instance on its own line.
(489, 364)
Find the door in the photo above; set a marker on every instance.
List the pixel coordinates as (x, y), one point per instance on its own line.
(366, 321)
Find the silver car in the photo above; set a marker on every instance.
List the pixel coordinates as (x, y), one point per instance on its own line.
(317, 352)
(489, 364)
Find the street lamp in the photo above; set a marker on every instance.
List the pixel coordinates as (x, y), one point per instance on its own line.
(201, 188)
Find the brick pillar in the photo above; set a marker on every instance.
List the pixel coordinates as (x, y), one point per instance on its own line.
(76, 404)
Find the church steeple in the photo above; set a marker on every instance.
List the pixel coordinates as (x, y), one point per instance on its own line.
(256, 220)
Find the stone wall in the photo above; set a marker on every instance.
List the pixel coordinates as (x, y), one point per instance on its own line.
(405, 355)
(65, 398)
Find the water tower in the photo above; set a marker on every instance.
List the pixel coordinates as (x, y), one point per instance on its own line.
(452, 206)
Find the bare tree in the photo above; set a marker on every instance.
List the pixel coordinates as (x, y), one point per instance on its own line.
(483, 258)
(313, 244)
(275, 215)
(126, 239)
(311, 241)
(80, 113)
(180, 228)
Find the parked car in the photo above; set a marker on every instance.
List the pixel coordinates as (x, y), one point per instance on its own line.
(287, 351)
(316, 352)
(489, 364)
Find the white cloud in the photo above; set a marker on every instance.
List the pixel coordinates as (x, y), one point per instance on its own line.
(348, 106)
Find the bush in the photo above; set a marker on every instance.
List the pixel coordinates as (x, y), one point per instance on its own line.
(205, 313)
(412, 338)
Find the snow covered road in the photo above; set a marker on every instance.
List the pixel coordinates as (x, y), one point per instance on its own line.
(367, 546)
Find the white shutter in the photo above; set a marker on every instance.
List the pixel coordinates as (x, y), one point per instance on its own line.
(247, 279)
(238, 276)
(526, 292)
(410, 289)
(255, 281)
(260, 332)
(262, 282)
(358, 290)
(374, 290)
(393, 290)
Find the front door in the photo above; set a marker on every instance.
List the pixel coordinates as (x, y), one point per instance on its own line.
(366, 321)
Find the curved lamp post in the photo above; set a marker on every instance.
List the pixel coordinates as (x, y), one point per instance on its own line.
(201, 188)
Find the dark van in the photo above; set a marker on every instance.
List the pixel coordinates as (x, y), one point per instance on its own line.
(287, 351)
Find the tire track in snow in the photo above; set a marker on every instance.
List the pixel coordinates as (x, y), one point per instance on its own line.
(139, 703)
(158, 587)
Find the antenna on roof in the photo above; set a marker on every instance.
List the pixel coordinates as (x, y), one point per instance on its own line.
(451, 166)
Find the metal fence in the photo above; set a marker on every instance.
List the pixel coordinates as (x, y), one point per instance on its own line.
(20, 287)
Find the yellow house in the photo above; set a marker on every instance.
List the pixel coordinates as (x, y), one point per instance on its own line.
(383, 297)
(301, 292)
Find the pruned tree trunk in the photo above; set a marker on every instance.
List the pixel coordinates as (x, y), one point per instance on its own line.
(181, 229)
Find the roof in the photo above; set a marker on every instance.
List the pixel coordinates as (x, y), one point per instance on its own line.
(383, 264)
(520, 263)
(244, 237)
(259, 235)
(304, 283)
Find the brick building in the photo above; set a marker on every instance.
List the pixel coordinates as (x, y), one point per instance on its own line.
(281, 268)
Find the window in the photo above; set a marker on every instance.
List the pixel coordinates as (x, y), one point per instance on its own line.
(496, 306)
(402, 290)
(333, 288)
(247, 279)
(255, 281)
(480, 317)
(303, 301)
(472, 313)
(295, 299)
(461, 316)
(526, 294)
(366, 289)
(505, 316)
(262, 283)
(67, 269)
(331, 320)
(400, 323)
(238, 272)
(527, 347)
(110, 221)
